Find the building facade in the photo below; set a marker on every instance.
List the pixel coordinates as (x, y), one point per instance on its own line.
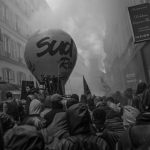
(126, 62)
(15, 29)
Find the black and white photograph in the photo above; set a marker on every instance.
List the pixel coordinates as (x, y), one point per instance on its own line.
(74, 74)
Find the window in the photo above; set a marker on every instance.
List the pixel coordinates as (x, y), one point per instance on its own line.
(8, 16)
(20, 77)
(11, 48)
(5, 45)
(8, 75)
(0, 35)
(1, 44)
(144, 1)
(2, 11)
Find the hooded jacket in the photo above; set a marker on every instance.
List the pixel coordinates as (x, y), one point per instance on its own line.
(80, 128)
(56, 132)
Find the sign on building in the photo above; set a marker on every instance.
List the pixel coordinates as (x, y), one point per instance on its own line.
(131, 80)
(140, 20)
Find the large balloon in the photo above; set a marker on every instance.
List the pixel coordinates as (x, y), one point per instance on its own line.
(51, 53)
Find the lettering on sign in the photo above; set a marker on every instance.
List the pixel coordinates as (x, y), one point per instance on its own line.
(65, 63)
(64, 48)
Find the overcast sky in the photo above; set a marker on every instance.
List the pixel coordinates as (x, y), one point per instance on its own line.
(84, 21)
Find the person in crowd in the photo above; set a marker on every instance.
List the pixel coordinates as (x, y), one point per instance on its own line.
(128, 93)
(21, 110)
(137, 101)
(36, 93)
(6, 122)
(98, 119)
(116, 96)
(104, 104)
(47, 106)
(70, 143)
(90, 102)
(76, 97)
(56, 131)
(71, 102)
(129, 116)
(34, 118)
(27, 91)
(114, 126)
(32, 94)
(137, 136)
(83, 99)
(57, 107)
(23, 137)
(97, 100)
(79, 122)
(114, 122)
(28, 100)
(12, 107)
(146, 100)
(1, 137)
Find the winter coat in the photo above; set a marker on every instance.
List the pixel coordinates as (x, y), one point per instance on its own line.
(50, 115)
(138, 136)
(80, 128)
(35, 107)
(23, 138)
(13, 110)
(6, 122)
(70, 143)
(45, 111)
(35, 120)
(56, 131)
(1, 137)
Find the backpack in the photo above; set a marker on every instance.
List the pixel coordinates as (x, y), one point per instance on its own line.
(145, 146)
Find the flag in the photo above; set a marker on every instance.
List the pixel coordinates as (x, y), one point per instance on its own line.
(86, 87)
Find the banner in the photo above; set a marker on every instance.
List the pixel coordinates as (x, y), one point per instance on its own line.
(140, 20)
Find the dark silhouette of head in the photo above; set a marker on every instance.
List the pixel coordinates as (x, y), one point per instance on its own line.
(9, 95)
(141, 87)
(56, 101)
(75, 96)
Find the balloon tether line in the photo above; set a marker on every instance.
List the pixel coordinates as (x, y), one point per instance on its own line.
(58, 78)
(69, 81)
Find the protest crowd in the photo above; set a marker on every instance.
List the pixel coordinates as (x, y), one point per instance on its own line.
(120, 121)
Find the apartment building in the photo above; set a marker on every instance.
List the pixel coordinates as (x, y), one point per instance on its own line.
(124, 62)
(15, 29)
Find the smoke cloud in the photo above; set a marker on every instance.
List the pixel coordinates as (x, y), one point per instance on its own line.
(84, 21)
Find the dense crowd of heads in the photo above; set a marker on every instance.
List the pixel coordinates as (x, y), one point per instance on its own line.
(45, 122)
